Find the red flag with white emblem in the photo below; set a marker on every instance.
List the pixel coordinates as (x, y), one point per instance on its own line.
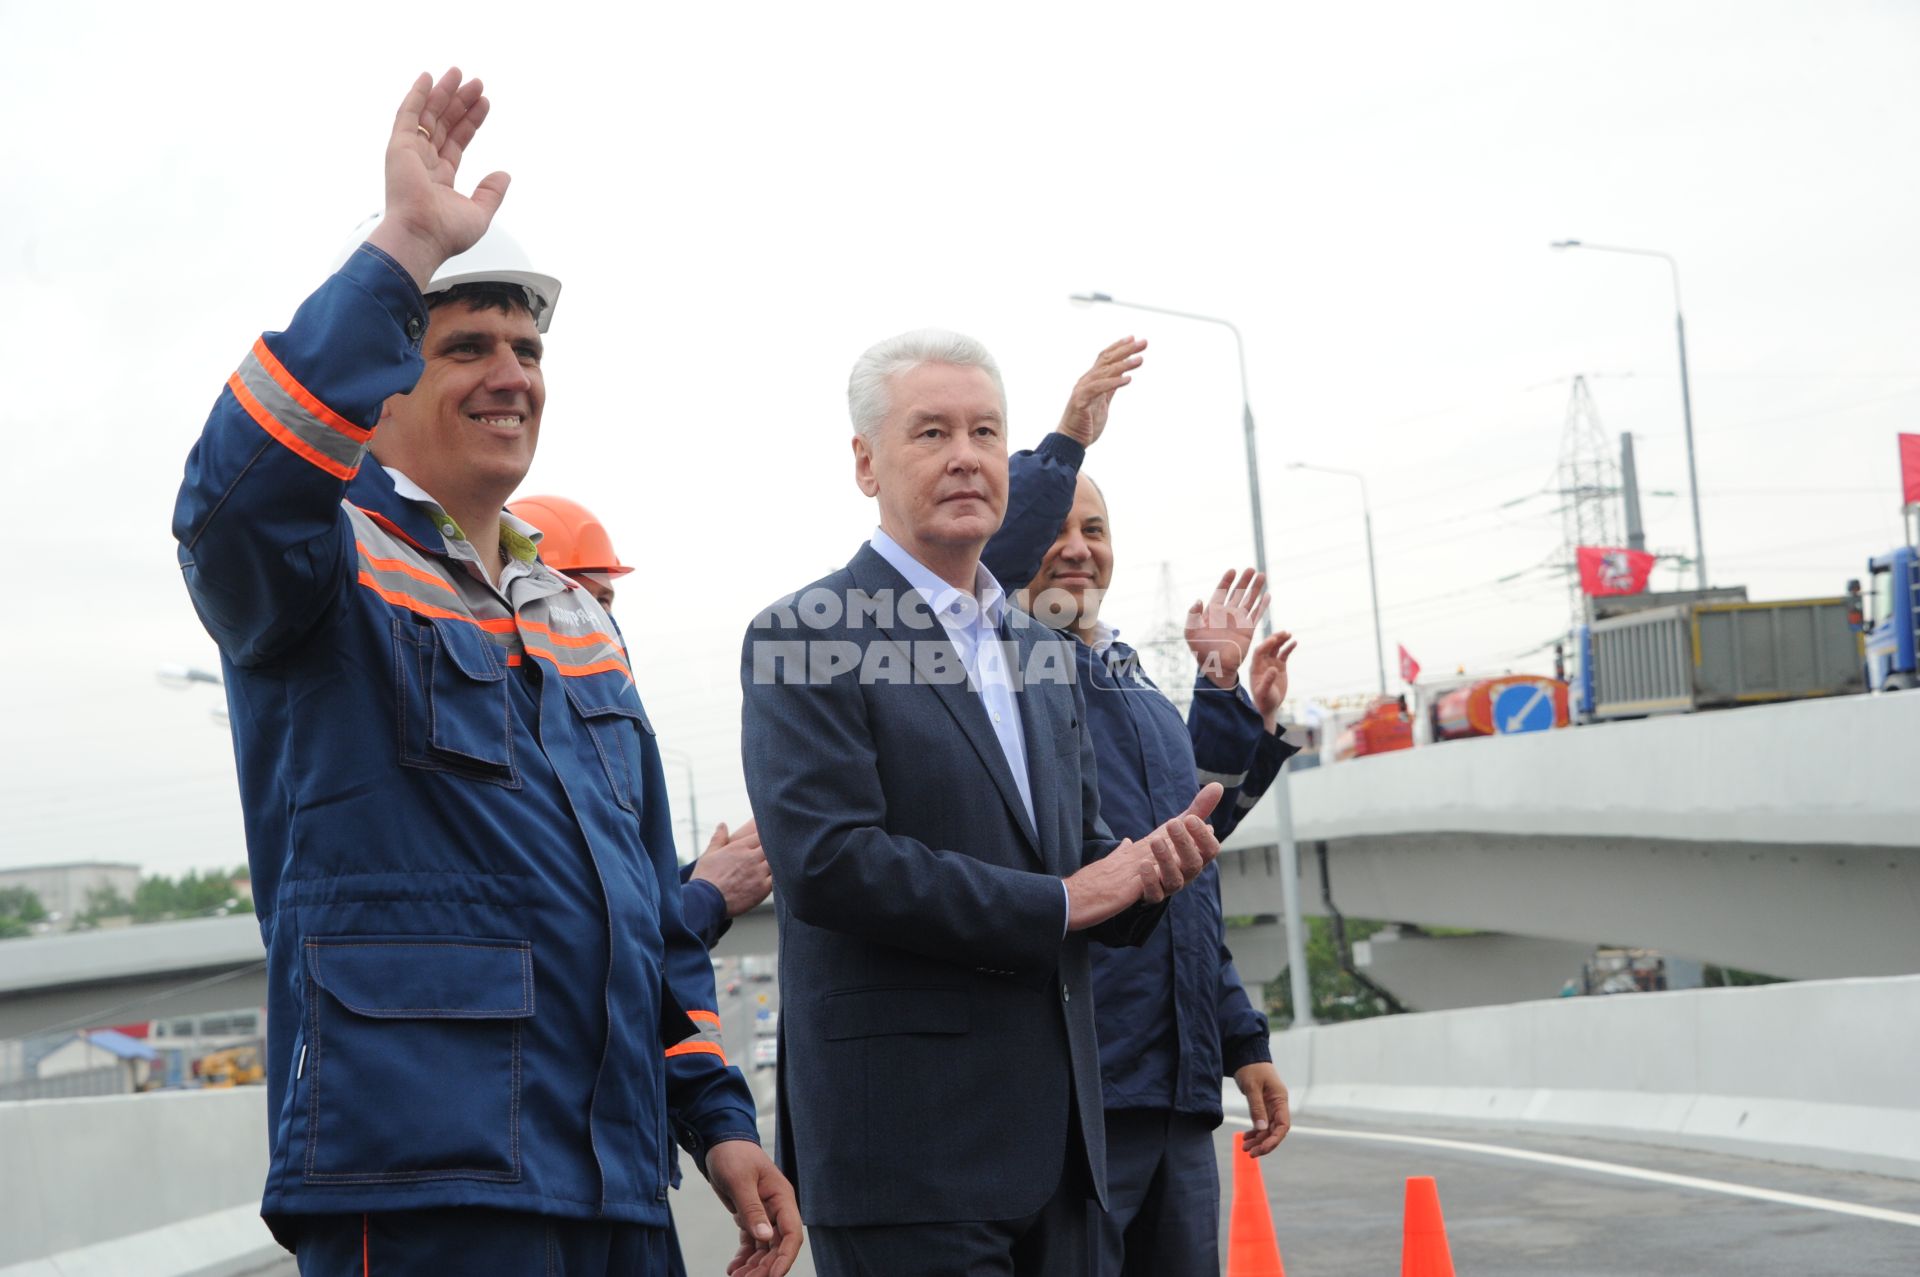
(1613, 571)
(1910, 469)
(1409, 668)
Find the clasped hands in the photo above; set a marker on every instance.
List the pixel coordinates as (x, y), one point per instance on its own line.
(1150, 869)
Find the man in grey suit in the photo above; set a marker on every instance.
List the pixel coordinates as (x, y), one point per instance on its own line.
(917, 756)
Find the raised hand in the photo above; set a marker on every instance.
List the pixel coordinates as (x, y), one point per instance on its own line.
(1086, 414)
(1220, 630)
(1268, 681)
(427, 221)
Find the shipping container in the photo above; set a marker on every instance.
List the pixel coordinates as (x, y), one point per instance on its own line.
(1673, 660)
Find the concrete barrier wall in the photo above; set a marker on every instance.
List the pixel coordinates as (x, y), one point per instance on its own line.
(1823, 1073)
(173, 1179)
(1823, 772)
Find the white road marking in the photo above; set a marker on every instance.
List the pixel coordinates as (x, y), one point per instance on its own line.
(1694, 1182)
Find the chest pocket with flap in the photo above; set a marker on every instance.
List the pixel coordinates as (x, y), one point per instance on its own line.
(451, 694)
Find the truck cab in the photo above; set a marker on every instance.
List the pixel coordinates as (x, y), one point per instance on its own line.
(1891, 620)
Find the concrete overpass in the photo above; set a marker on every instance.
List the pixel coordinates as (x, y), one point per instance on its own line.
(1777, 838)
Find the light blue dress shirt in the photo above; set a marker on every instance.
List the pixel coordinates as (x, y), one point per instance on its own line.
(972, 622)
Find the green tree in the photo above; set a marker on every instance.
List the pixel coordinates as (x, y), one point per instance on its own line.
(20, 908)
(155, 899)
(194, 896)
(1336, 995)
(102, 903)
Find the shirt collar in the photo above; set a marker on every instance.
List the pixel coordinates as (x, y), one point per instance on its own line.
(520, 538)
(940, 596)
(1104, 637)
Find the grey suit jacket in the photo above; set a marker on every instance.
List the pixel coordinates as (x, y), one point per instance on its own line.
(937, 1039)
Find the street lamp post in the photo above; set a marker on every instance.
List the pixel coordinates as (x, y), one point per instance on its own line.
(181, 677)
(1246, 419)
(693, 801)
(1373, 578)
(1280, 795)
(1686, 394)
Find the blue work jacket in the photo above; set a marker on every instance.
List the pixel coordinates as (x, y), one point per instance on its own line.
(703, 907)
(481, 991)
(1172, 1016)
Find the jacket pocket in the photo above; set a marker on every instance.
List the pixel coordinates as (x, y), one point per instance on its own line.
(872, 1013)
(414, 1070)
(451, 695)
(615, 728)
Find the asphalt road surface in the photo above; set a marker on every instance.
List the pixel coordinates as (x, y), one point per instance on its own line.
(1516, 1205)
(1337, 1193)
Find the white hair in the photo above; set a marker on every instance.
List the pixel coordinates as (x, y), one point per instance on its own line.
(869, 387)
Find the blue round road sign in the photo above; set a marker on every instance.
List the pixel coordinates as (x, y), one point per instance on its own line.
(1524, 707)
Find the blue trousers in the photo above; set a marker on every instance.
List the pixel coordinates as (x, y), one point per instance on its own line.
(443, 1243)
(1164, 1191)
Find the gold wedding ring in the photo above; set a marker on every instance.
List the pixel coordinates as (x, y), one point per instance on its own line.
(423, 131)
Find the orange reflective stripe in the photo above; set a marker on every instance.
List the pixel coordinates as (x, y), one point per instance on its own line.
(502, 625)
(285, 437)
(513, 659)
(571, 640)
(580, 671)
(697, 1048)
(704, 1017)
(402, 566)
(391, 528)
(304, 397)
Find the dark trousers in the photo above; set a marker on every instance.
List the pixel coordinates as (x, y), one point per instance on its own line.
(443, 1243)
(1052, 1242)
(1164, 1190)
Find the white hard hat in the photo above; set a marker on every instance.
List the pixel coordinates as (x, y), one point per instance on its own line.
(496, 259)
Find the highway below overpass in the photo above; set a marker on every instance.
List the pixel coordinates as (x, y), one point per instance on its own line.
(1336, 1190)
(1750, 1131)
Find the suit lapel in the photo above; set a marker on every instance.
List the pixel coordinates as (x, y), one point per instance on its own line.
(1038, 714)
(930, 648)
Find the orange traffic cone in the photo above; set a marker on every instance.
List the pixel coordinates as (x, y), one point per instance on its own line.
(1424, 1252)
(1252, 1250)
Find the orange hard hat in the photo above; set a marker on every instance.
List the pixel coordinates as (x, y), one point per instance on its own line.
(572, 540)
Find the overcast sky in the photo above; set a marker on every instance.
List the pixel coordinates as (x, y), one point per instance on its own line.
(740, 198)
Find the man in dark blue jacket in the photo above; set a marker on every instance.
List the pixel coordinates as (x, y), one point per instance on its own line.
(731, 876)
(1172, 1016)
(478, 975)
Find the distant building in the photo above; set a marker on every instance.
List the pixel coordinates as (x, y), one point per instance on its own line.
(64, 889)
(113, 1062)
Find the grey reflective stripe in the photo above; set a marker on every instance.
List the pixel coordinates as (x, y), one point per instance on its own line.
(465, 600)
(709, 1034)
(303, 425)
(1223, 780)
(1246, 802)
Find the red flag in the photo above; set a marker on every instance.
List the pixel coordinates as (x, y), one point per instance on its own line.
(1910, 469)
(1604, 571)
(1409, 668)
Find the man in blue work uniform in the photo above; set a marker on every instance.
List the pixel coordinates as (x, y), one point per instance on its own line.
(479, 981)
(731, 876)
(1172, 1016)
